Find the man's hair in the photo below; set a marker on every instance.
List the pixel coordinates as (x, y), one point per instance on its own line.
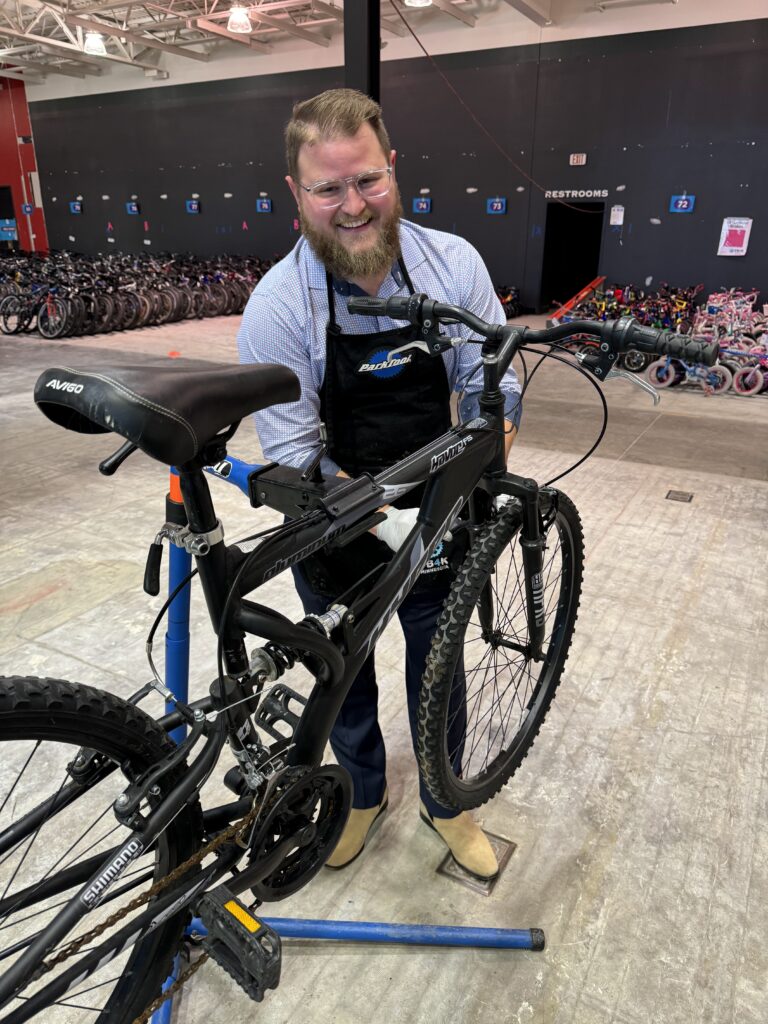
(333, 114)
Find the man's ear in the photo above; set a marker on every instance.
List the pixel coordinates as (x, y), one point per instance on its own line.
(293, 187)
(392, 158)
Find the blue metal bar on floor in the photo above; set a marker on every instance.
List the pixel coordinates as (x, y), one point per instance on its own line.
(403, 934)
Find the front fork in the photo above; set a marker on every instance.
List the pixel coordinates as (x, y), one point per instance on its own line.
(532, 544)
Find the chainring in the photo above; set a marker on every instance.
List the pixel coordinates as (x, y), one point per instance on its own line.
(311, 807)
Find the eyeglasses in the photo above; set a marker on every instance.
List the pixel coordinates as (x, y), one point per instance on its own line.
(370, 185)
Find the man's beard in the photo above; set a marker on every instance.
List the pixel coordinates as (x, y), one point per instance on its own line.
(348, 266)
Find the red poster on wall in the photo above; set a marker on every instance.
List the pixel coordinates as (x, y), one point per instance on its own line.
(734, 237)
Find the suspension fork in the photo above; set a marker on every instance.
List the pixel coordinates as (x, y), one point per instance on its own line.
(532, 544)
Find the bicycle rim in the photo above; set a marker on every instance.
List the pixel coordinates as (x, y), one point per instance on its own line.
(483, 700)
(44, 725)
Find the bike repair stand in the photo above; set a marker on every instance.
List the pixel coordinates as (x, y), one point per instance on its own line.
(177, 680)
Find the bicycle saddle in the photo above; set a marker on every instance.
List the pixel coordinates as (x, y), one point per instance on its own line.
(169, 411)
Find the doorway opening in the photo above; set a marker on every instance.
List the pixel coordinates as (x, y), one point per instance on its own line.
(7, 219)
(571, 250)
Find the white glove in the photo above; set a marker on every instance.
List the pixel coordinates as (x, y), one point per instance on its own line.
(397, 526)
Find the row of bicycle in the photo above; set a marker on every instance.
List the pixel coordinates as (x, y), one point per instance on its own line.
(63, 295)
(746, 380)
(667, 307)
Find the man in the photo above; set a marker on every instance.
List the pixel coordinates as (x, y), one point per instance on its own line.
(341, 172)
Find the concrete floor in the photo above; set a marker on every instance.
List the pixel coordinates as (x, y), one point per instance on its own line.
(639, 816)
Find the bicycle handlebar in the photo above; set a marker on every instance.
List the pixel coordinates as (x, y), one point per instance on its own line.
(620, 335)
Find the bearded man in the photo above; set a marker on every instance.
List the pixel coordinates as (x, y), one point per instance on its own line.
(376, 409)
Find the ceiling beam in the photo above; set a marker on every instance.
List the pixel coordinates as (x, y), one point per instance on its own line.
(19, 76)
(539, 11)
(53, 69)
(449, 8)
(90, 65)
(288, 26)
(89, 25)
(320, 7)
(60, 46)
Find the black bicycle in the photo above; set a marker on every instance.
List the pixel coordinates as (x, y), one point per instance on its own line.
(92, 918)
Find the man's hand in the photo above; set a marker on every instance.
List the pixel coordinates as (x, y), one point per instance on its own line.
(397, 526)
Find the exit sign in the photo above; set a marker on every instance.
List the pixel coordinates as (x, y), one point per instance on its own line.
(577, 159)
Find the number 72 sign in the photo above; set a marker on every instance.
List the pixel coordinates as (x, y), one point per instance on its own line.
(682, 204)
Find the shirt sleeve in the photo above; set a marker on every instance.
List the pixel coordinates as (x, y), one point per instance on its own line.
(290, 432)
(479, 296)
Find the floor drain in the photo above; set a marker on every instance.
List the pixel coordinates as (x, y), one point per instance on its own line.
(679, 496)
(503, 848)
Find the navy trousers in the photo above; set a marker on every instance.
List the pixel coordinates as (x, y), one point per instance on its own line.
(356, 738)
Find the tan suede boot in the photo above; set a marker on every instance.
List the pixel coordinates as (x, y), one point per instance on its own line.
(466, 841)
(356, 832)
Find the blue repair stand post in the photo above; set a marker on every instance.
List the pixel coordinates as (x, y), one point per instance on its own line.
(177, 637)
(177, 680)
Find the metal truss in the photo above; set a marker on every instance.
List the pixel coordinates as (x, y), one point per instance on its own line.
(44, 37)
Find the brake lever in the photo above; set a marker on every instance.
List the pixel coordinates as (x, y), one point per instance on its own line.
(440, 344)
(420, 345)
(633, 378)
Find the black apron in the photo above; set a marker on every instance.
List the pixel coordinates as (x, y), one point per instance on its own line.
(377, 410)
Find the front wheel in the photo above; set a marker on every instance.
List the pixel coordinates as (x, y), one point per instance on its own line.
(748, 381)
(483, 699)
(662, 373)
(719, 378)
(67, 752)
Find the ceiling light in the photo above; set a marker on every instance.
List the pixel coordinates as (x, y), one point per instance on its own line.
(94, 44)
(417, 3)
(239, 20)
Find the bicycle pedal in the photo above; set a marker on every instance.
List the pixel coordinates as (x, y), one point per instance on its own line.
(275, 707)
(247, 948)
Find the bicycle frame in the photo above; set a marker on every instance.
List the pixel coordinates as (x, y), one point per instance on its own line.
(452, 467)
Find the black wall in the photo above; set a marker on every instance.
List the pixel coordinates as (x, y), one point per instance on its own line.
(658, 113)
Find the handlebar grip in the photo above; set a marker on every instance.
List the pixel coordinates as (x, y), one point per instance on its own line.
(399, 307)
(367, 306)
(667, 343)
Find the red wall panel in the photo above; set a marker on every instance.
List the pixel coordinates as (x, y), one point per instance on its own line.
(17, 160)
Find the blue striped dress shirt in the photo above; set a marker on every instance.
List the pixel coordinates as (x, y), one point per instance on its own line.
(286, 316)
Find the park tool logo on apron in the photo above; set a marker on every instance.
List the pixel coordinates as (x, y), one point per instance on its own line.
(380, 364)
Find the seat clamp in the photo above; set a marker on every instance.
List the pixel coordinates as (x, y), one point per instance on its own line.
(195, 543)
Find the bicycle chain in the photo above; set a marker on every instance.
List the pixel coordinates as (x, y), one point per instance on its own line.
(232, 832)
(171, 990)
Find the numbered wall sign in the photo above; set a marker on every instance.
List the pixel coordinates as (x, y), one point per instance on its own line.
(27, 208)
(76, 207)
(422, 205)
(496, 205)
(682, 204)
(193, 205)
(132, 207)
(263, 206)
